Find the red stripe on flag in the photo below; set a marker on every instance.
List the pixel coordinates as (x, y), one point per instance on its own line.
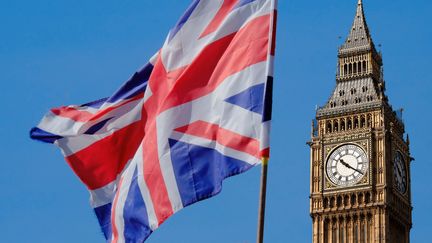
(265, 153)
(223, 12)
(84, 116)
(72, 113)
(223, 136)
(154, 178)
(99, 164)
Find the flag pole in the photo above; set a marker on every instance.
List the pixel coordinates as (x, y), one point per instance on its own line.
(262, 201)
(267, 115)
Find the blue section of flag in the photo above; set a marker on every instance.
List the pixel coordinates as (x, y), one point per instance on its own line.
(103, 214)
(95, 104)
(183, 19)
(93, 129)
(250, 99)
(43, 136)
(268, 100)
(135, 85)
(243, 2)
(135, 214)
(200, 171)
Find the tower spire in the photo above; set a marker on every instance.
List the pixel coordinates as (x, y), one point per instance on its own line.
(359, 80)
(358, 55)
(359, 37)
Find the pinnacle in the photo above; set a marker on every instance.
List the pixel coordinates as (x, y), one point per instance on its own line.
(359, 37)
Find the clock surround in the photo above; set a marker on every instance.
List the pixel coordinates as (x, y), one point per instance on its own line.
(347, 165)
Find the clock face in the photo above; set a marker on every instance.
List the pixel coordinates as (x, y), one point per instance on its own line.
(347, 165)
(400, 174)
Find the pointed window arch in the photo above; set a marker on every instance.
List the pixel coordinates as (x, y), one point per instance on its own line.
(342, 125)
(362, 121)
(329, 127)
(369, 120)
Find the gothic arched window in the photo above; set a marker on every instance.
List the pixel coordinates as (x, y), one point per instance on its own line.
(329, 126)
(369, 120)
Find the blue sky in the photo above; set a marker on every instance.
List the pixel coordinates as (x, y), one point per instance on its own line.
(56, 53)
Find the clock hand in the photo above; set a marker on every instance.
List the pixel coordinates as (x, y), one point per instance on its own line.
(398, 172)
(359, 171)
(349, 166)
(399, 169)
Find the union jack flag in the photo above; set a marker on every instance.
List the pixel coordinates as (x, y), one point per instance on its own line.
(197, 113)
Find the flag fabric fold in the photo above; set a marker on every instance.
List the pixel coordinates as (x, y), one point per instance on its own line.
(197, 113)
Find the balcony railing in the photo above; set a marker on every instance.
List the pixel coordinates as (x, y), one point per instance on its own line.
(353, 75)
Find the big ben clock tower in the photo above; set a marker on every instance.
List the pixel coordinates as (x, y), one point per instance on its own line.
(360, 158)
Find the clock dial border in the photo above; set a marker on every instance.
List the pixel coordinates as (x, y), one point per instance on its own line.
(355, 180)
(405, 172)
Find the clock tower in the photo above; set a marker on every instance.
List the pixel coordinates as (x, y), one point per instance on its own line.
(360, 159)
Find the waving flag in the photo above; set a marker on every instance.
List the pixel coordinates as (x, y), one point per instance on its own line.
(197, 113)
